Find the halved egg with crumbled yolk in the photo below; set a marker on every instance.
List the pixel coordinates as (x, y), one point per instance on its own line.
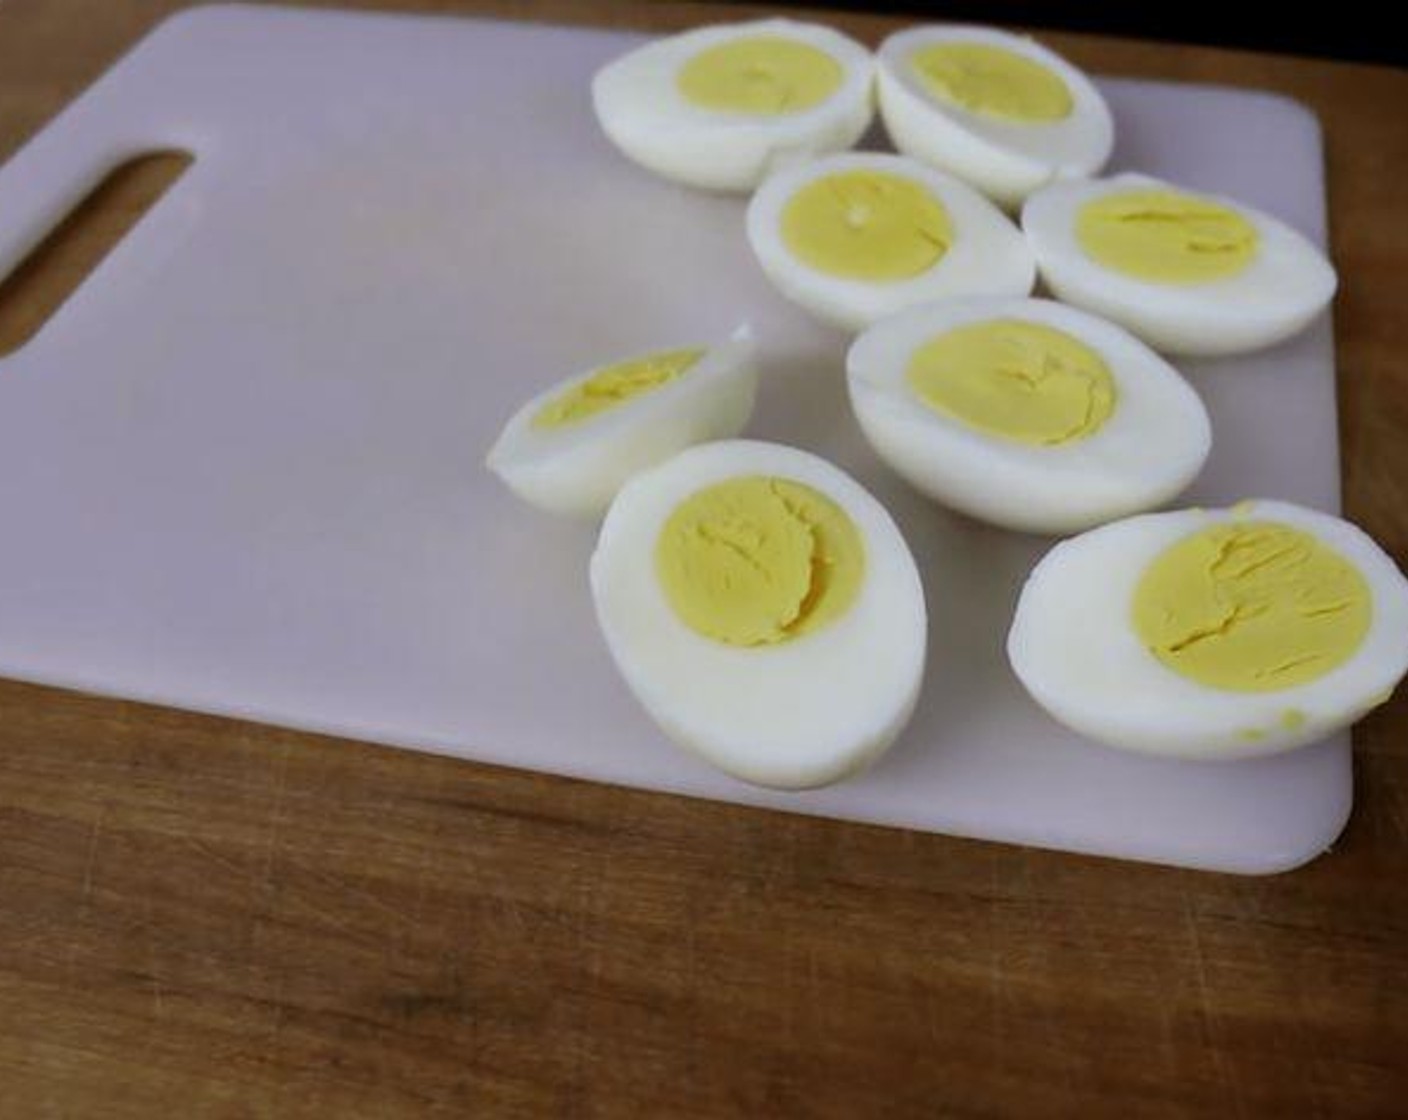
(1186, 271)
(1213, 633)
(764, 609)
(1026, 413)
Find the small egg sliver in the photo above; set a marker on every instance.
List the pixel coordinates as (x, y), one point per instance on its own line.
(570, 448)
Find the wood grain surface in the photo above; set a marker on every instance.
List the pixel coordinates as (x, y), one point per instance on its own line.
(200, 917)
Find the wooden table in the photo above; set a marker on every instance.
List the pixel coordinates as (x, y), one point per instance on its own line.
(204, 917)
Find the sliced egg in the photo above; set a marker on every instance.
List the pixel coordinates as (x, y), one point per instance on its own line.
(1213, 634)
(855, 237)
(998, 110)
(1026, 413)
(1188, 272)
(569, 449)
(764, 609)
(719, 107)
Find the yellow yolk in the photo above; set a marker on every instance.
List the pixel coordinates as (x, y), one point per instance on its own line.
(758, 560)
(761, 76)
(1251, 606)
(1020, 381)
(866, 225)
(992, 82)
(1166, 236)
(612, 385)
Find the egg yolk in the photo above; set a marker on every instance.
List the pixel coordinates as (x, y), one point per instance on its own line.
(1166, 236)
(1251, 606)
(763, 75)
(992, 82)
(1019, 381)
(758, 560)
(613, 385)
(866, 225)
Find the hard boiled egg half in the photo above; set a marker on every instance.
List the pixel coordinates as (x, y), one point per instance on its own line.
(569, 449)
(1026, 413)
(1188, 272)
(764, 609)
(998, 110)
(1213, 634)
(719, 107)
(858, 236)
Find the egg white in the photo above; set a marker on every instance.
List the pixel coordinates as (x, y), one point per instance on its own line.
(1288, 282)
(577, 468)
(988, 256)
(1074, 647)
(799, 714)
(642, 111)
(1006, 160)
(1152, 446)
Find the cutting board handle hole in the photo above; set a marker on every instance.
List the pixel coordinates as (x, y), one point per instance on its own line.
(53, 270)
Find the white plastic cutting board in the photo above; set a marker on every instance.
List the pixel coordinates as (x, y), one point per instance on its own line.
(240, 471)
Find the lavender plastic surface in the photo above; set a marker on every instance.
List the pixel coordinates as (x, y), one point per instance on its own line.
(240, 471)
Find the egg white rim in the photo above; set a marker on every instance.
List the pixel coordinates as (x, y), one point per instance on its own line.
(521, 443)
